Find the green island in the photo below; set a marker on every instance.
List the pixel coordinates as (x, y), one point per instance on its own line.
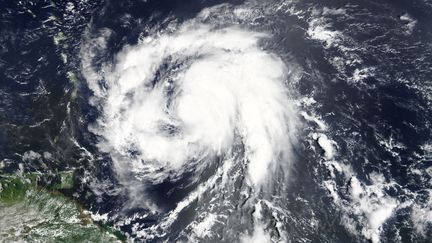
(31, 213)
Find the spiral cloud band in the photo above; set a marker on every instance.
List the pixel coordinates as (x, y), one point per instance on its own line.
(179, 99)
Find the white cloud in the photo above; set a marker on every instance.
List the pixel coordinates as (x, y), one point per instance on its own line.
(214, 86)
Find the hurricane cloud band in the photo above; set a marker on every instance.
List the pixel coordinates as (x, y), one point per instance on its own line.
(182, 98)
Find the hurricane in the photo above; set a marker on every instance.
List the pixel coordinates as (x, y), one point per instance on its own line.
(178, 100)
(196, 98)
(215, 121)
